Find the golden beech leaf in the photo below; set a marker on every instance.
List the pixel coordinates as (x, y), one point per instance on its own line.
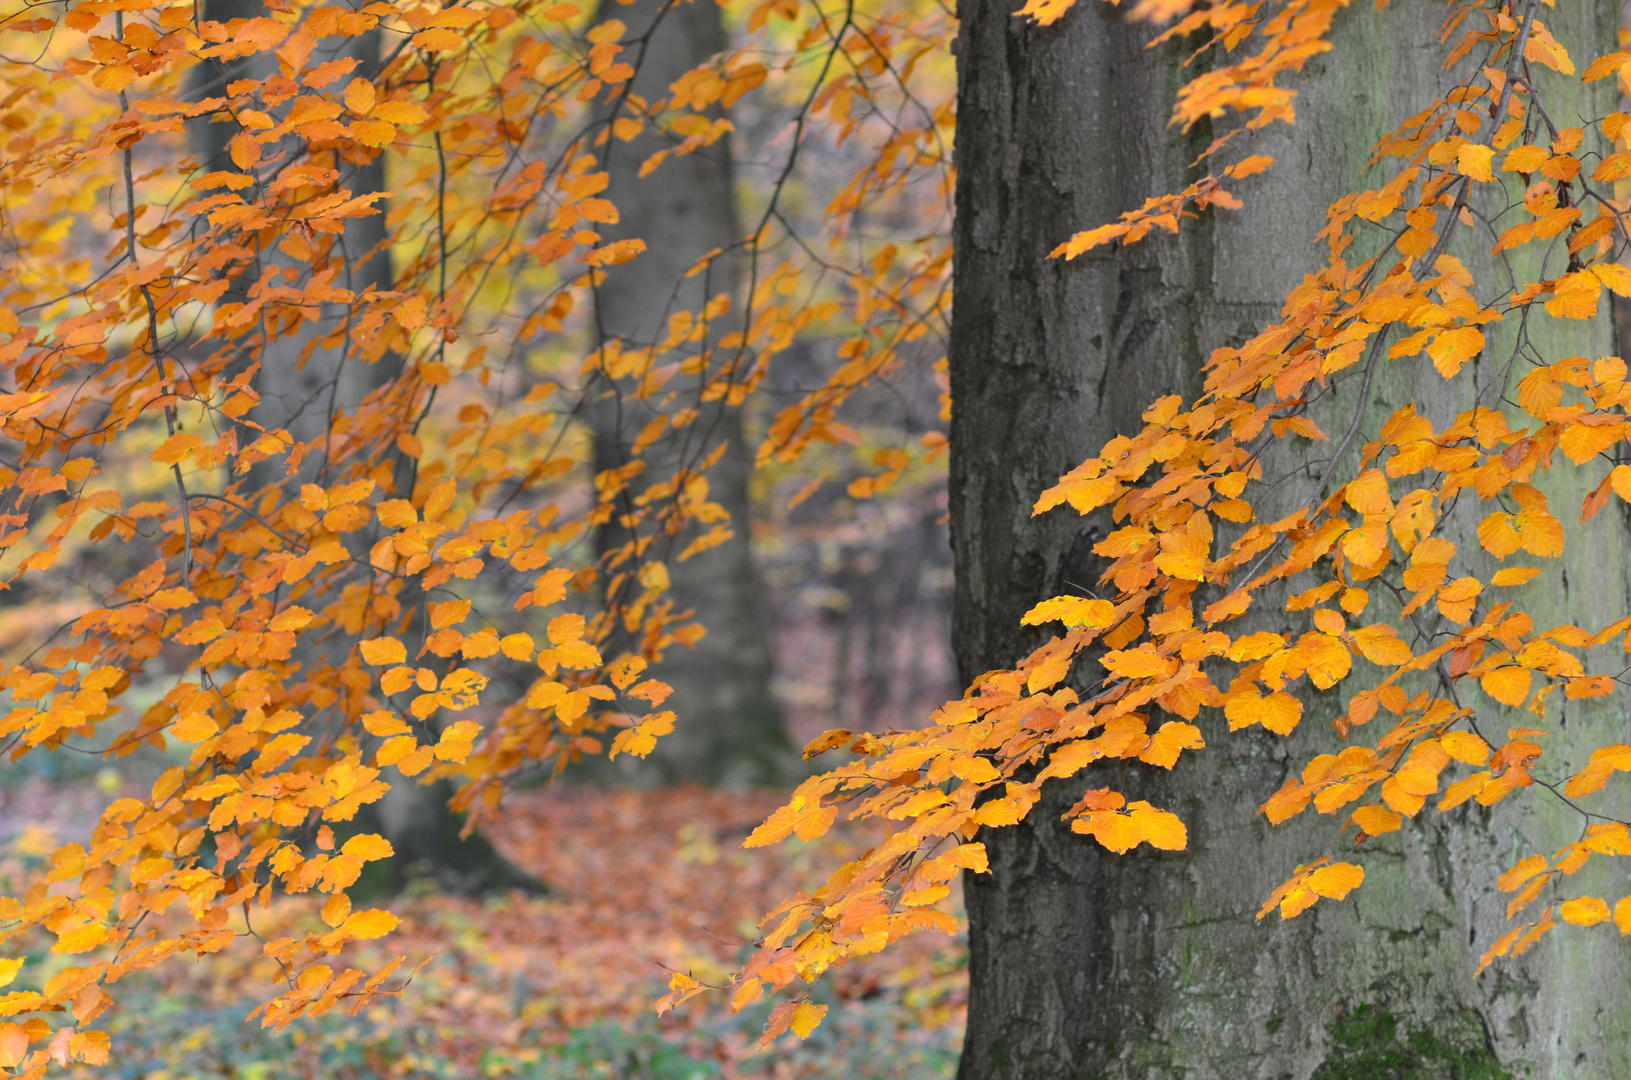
(1509, 685)
(383, 651)
(565, 628)
(375, 133)
(1139, 664)
(806, 1018)
(1278, 711)
(174, 449)
(1376, 820)
(1525, 159)
(1073, 611)
(1419, 774)
(13, 1044)
(1584, 911)
(1052, 668)
(336, 909)
(360, 96)
(1165, 745)
(373, 923)
(1337, 880)
(82, 938)
(1622, 915)
(1466, 747)
(368, 847)
(1498, 534)
(1158, 828)
(1369, 493)
(1474, 161)
(1453, 348)
(448, 613)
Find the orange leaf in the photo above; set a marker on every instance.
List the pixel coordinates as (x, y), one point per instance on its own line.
(383, 651)
(1509, 685)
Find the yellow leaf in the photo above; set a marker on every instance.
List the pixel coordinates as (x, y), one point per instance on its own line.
(1509, 685)
(1279, 711)
(397, 749)
(372, 923)
(516, 646)
(1053, 667)
(1516, 575)
(1584, 911)
(336, 909)
(1165, 745)
(368, 847)
(1158, 828)
(114, 77)
(383, 651)
(1453, 348)
(1615, 276)
(13, 1045)
(91, 1047)
(1622, 915)
(397, 513)
(1465, 747)
(194, 727)
(564, 628)
(1525, 159)
(82, 938)
(360, 96)
(438, 39)
(450, 613)
(1574, 296)
(376, 133)
(9, 969)
(1337, 880)
(1540, 533)
(1369, 494)
(176, 447)
(1474, 161)
(1376, 819)
(385, 723)
(806, 1018)
(577, 654)
(976, 770)
(1139, 664)
(1498, 535)
(1381, 644)
(1073, 611)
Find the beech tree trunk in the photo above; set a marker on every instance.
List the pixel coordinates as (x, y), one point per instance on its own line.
(729, 729)
(301, 390)
(1085, 964)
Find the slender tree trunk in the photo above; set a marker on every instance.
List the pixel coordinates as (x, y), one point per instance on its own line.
(302, 385)
(729, 728)
(1085, 964)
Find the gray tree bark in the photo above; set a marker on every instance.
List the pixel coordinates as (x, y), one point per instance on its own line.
(302, 386)
(1085, 964)
(729, 729)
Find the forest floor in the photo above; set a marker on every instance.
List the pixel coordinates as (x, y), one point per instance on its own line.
(561, 986)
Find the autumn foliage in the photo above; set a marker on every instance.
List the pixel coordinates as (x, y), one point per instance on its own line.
(1240, 497)
(384, 585)
(312, 612)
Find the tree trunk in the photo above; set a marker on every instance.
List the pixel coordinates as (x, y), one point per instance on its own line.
(301, 392)
(1085, 964)
(729, 729)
